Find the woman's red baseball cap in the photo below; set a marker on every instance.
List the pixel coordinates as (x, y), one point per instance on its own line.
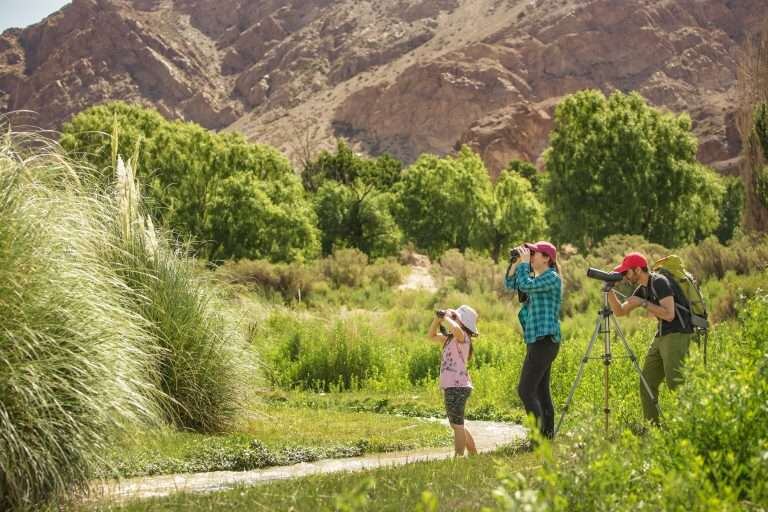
(632, 260)
(544, 247)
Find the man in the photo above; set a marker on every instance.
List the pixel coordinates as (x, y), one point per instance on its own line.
(665, 356)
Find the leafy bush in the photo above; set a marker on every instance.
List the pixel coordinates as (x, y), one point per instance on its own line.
(710, 455)
(77, 360)
(346, 267)
(385, 272)
(468, 272)
(713, 259)
(289, 280)
(423, 364)
(314, 357)
(244, 198)
(444, 203)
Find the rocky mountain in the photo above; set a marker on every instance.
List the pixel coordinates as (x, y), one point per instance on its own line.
(403, 76)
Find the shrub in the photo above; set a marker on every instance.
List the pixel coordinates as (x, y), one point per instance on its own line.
(311, 356)
(713, 259)
(196, 360)
(290, 281)
(386, 272)
(423, 364)
(469, 272)
(76, 358)
(346, 267)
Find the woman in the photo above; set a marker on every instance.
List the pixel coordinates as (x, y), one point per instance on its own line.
(537, 275)
(454, 376)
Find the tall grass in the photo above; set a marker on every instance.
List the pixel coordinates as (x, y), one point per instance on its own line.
(198, 363)
(101, 325)
(75, 356)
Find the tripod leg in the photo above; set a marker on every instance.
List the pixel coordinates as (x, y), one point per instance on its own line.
(633, 358)
(579, 374)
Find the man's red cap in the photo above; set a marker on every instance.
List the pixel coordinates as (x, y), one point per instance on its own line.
(632, 260)
(544, 247)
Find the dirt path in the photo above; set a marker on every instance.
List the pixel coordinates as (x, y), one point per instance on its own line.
(488, 436)
(419, 277)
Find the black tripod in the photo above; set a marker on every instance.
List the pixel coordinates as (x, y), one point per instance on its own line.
(605, 319)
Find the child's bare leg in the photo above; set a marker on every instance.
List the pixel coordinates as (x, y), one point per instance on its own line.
(470, 442)
(459, 439)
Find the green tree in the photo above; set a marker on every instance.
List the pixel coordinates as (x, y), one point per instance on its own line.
(760, 172)
(184, 167)
(353, 202)
(616, 165)
(527, 170)
(517, 214)
(260, 219)
(731, 210)
(356, 217)
(347, 168)
(445, 203)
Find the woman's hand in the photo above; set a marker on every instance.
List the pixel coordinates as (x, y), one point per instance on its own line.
(525, 254)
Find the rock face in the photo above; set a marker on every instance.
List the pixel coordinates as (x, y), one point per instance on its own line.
(402, 76)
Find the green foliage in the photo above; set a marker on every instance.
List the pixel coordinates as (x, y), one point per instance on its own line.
(322, 358)
(445, 203)
(76, 359)
(711, 454)
(711, 259)
(196, 356)
(346, 267)
(760, 178)
(518, 215)
(88, 136)
(197, 364)
(761, 126)
(289, 280)
(616, 165)
(731, 209)
(347, 168)
(190, 170)
(356, 216)
(423, 364)
(469, 272)
(260, 219)
(352, 201)
(526, 170)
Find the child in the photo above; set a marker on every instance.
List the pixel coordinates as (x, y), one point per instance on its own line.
(454, 377)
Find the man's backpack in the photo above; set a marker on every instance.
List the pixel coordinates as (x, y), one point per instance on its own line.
(685, 285)
(686, 288)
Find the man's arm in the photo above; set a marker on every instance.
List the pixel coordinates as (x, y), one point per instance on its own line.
(626, 307)
(665, 310)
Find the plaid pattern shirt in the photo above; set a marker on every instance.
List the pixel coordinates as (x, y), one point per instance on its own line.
(540, 315)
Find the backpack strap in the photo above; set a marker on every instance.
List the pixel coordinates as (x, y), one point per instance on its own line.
(675, 296)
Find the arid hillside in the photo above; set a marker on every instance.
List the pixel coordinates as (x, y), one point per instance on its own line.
(400, 76)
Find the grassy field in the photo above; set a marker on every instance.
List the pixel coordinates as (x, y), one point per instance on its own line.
(280, 435)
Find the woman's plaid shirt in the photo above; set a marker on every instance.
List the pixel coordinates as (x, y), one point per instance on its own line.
(540, 315)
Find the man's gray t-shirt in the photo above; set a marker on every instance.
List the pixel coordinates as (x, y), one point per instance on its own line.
(663, 288)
